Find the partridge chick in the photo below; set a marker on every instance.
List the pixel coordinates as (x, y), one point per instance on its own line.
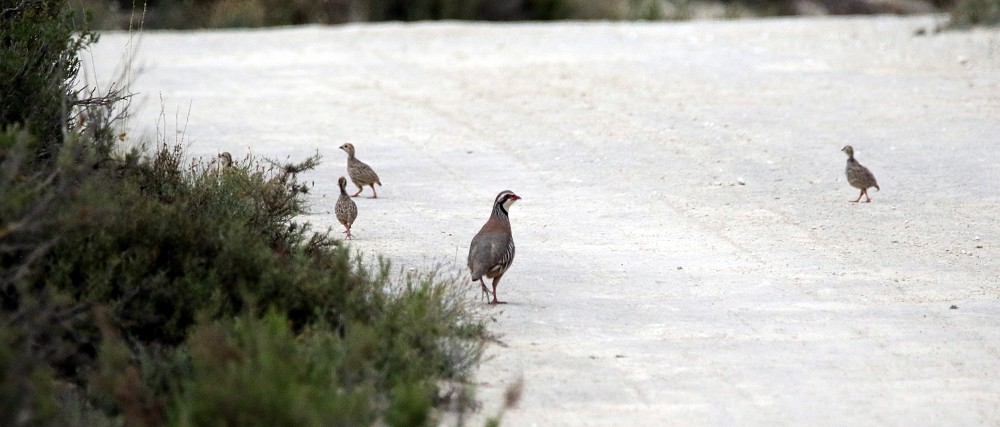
(492, 250)
(859, 176)
(226, 159)
(360, 173)
(346, 210)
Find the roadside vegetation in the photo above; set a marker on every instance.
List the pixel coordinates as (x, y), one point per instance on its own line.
(191, 14)
(142, 288)
(970, 13)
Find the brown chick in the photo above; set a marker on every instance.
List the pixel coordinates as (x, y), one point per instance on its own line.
(346, 210)
(361, 174)
(859, 176)
(227, 159)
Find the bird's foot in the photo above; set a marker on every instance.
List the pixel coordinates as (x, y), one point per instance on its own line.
(486, 293)
(496, 302)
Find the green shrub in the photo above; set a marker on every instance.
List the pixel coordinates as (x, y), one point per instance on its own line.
(967, 13)
(255, 372)
(158, 244)
(27, 383)
(38, 66)
(238, 13)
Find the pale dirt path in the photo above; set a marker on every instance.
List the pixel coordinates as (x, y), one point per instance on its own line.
(650, 288)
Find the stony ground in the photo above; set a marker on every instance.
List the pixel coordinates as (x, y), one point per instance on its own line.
(687, 254)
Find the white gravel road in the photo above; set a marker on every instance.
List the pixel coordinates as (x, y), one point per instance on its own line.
(686, 251)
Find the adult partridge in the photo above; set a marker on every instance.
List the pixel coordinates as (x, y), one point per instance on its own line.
(859, 176)
(492, 250)
(346, 210)
(360, 173)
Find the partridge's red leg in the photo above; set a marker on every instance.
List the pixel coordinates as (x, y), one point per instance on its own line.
(495, 301)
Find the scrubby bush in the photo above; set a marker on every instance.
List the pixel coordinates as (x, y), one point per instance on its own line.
(967, 13)
(38, 66)
(139, 287)
(256, 13)
(188, 14)
(253, 371)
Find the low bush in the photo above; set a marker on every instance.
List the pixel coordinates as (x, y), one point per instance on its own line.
(968, 13)
(189, 14)
(38, 67)
(173, 255)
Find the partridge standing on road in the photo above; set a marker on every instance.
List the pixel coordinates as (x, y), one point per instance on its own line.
(859, 176)
(360, 173)
(346, 210)
(492, 250)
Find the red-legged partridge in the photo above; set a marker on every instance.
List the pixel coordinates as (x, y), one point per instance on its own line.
(346, 210)
(360, 173)
(859, 176)
(492, 250)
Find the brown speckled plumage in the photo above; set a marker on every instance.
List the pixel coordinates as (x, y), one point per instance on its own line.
(361, 174)
(492, 250)
(227, 159)
(346, 210)
(859, 176)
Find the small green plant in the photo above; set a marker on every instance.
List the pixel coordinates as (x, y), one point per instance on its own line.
(238, 13)
(252, 371)
(968, 13)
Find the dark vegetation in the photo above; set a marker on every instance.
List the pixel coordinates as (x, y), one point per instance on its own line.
(968, 13)
(188, 14)
(140, 288)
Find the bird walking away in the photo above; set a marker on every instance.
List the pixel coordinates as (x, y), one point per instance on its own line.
(346, 210)
(492, 250)
(859, 176)
(361, 174)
